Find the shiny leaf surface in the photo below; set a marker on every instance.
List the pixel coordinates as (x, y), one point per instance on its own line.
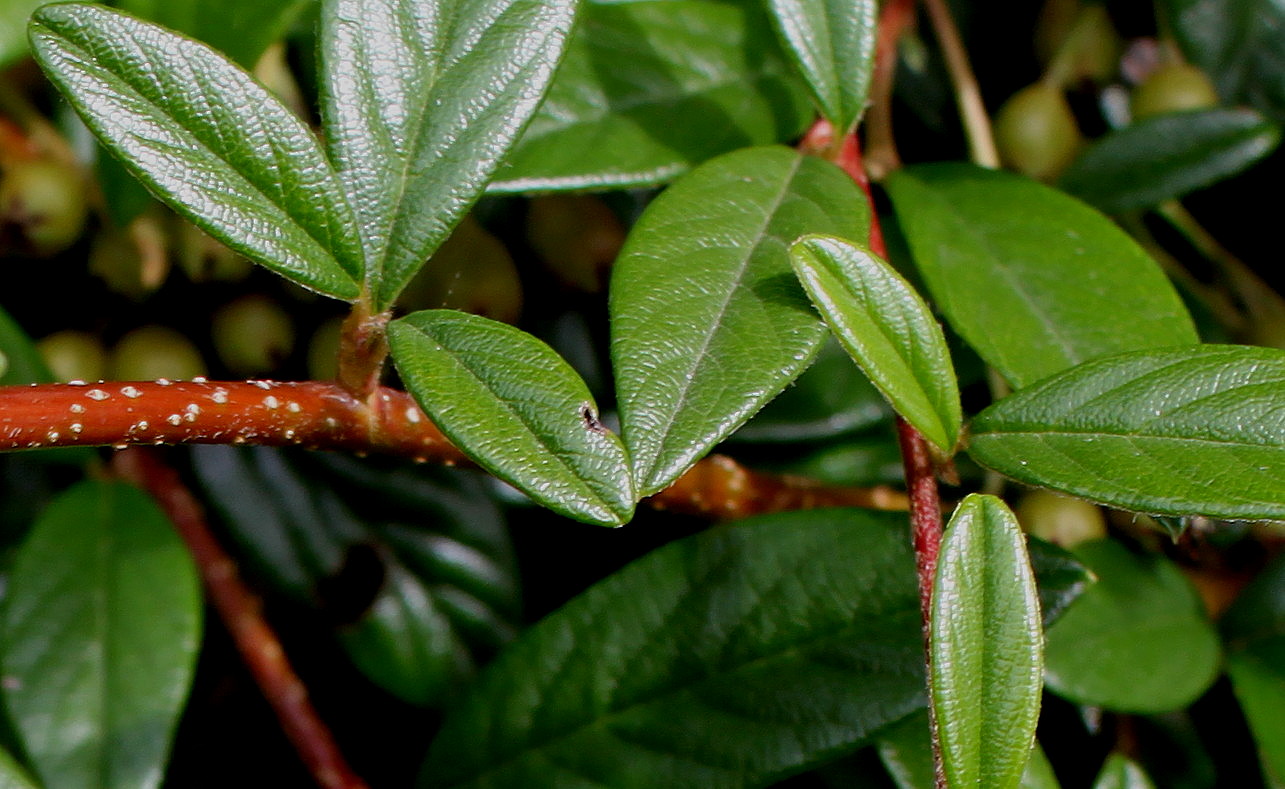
(832, 43)
(98, 664)
(669, 673)
(421, 100)
(517, 409)
(1181, 431)
(1167, 156)
(206, 138)
(708, 319)
(887, 329)
(1032, 279)
(650, 89)
(240, 29)
(1114, 647)
(985, 647)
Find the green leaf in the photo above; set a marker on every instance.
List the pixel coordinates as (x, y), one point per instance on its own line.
(319, 527)
(1034, 280)
(673, 672)
(1121, 772)
(1039, 773)
(649, 90)
(13, 28)
(832, 43)
(887, 329)
(1219, 36)
(25, 365)
(12, 775)
(1254, 629)
(101, 625)
(240, 29)
(1180, 431)
(708, 321)
(1115, 647)
(985, 644)
(421, 101)
(1167, 156)
(906, 751)
(516, 409)
(207, 139)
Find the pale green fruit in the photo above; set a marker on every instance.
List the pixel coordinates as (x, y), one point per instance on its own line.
(74, 355)
(471, 272)
(46, 200)
(1064, 520)
(1036, 133)
(1173, 87)
(252, 335)
(153, 352)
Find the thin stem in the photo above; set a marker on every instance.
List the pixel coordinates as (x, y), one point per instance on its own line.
(363, 347)
(968, 95)
(881, 148)
(242, 613)
(326, 416)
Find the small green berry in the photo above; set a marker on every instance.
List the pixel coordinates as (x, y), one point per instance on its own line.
(252, 335)
(152, 352)
(472, 272)
(1036, 133)
(46, 200)
(74, 355)
(1064, 520)
(1174, 87)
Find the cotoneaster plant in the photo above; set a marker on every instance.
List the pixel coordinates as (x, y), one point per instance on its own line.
(845, 620)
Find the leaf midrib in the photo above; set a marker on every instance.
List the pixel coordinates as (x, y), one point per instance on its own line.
(1123, 436)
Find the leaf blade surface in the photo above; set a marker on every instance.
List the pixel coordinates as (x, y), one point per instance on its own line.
(832, 43)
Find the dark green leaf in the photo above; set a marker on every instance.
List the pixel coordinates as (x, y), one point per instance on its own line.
(1121, 772)
(1181, 431)
(1254, 628)
(1167, 156)
(1115, 647)
(240, 29)
(24, 363)
(214, 144)
(721, 660)
(651, 89)
(985, 647)
(1219, 36)
(1264, 82)
(1061, 577)
(708, 319)
(422, 100)
(101, 624)
(517, 409)
(1034, 280)
(832, 43)
(326, 529)
(887, 329)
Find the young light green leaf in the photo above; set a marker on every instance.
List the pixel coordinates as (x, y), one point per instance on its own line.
(832, 43)
(1167, 156)
(1254, 630)
(1034, 280)
(708, 320)
(12, 775)
(1121, 772)
(1114, 648)
(652, 88)
(985, 647)
(206, 138)
(1179, 431)
(240, 29)
(887, 329)
(100, 629)
(421, 101)
(517, 409)
(668, 673)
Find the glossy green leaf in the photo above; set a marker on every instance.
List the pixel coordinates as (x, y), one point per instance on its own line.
(101, 625)
(207, 139)
(1034, 280)
(888, 330)
(24, 363)
(1254, 629)
(649, 90)
(240, 29)
(832, 43)
(1180, 431)
(985, 644)
(708, 319)
(721, 660)
(12, 775)
(1167, 156)
(517, 409)
(417, 607)
(906, 751)
(1115, 646)
(1264, 81)
(421, 101)
(1121, 772)
(1219, 36)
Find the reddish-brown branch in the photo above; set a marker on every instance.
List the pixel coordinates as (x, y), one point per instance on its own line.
(325, 416)
(895, 19)
(241, 612)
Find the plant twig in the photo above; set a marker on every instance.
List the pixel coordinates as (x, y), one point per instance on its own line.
(968, 95)
(881, 148)
(326, 416)
(242, 614)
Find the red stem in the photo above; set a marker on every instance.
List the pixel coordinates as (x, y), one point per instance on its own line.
(242, 614)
